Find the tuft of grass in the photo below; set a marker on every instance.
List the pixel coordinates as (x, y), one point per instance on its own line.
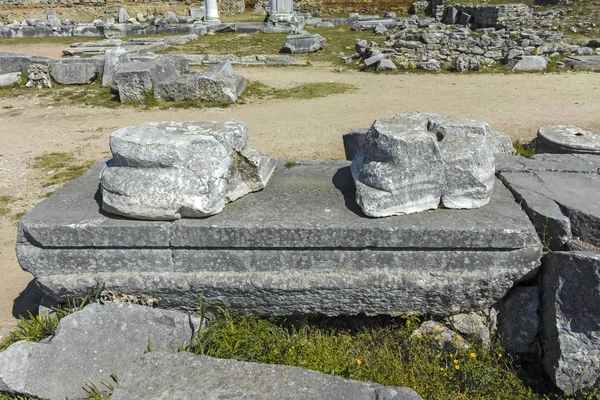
(383, 353)
(524, 149)
(311, 90)
(64, 166)
(5, 204)
(33, 328)
(7, 396)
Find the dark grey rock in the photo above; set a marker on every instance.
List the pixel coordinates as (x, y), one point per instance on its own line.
(303, 43)
(76, 71)
(519, 321)
(89, 346)
(353, 141)
(571, 319)
(575, 195)
(169, 375)
(566, 139)
(17, 62)
(564, 163)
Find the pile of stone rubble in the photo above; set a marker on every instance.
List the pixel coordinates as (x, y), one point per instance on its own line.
(439, 46)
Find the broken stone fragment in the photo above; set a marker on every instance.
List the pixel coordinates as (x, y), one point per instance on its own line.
(169, 170)
(415, 162)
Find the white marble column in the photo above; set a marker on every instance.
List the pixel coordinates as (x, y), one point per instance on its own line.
(212, 11)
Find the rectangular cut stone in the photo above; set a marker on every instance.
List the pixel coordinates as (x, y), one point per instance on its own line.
(299, 245)
(313, 206)
(72, 218)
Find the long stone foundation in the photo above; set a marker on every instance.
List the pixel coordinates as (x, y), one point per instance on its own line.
(300, 245)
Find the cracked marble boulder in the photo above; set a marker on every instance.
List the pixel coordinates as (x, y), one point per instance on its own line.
(414, 162)
(170, 170)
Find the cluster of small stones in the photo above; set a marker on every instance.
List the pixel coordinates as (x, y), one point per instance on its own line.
(432, 46)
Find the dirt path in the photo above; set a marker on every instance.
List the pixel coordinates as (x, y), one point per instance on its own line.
(309, 129)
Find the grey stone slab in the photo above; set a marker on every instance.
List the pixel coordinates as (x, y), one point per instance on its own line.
(76, 71)
(575, 194)
(584, 62)
(312, 206)
(169, 377)
(527, 63)
(425, 282)
(41, 262)
(571, 319)
(570, 163)
(16, 62)
(72, 218)
(303, 43)
(88, 347)
(552, 226)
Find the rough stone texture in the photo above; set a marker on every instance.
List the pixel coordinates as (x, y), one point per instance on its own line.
(217, 84)
(233, 7)
(385, 65)
(101, 340)
(571, 319)
(201, 167)
(303, 43)
(455, 166)
(501, 143)
(566, 139)
(552, 210)
(76, 71)
(300, 245)
(519, 321)
(39, 76)
(240, 380)
(136, 79)
(527, 63)
(9, 80)
(112, 59)
(17, 62)
(471, 324)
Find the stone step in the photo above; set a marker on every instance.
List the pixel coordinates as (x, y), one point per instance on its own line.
(300, 245)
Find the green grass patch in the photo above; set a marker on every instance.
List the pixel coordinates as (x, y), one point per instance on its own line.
(381, 351)
(524, 149)
(311, 90)
(339, 39)
(5, 204)
(64, 165)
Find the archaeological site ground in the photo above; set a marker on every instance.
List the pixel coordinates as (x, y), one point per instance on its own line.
(322, 199)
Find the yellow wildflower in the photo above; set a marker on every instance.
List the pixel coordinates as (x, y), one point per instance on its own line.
(457, 367)
(442, 369)
(358, 362)
(437, 328)
(473, 355)
(418, 336)
(499, 354)
(451, 355)
(458, 337)
(455, 361)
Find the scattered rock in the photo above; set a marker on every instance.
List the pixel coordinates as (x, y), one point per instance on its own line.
(441, 333)
(471, 324)
(10, 79)
(385, 64)
(76, 71)
(527, 63)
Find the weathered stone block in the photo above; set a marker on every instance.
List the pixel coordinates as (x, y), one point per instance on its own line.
(76, 71)
(455, 165)
(571, 319)
(136, 80)
(303, 43)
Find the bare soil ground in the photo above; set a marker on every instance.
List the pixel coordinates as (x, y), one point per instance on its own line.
(517, 104)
